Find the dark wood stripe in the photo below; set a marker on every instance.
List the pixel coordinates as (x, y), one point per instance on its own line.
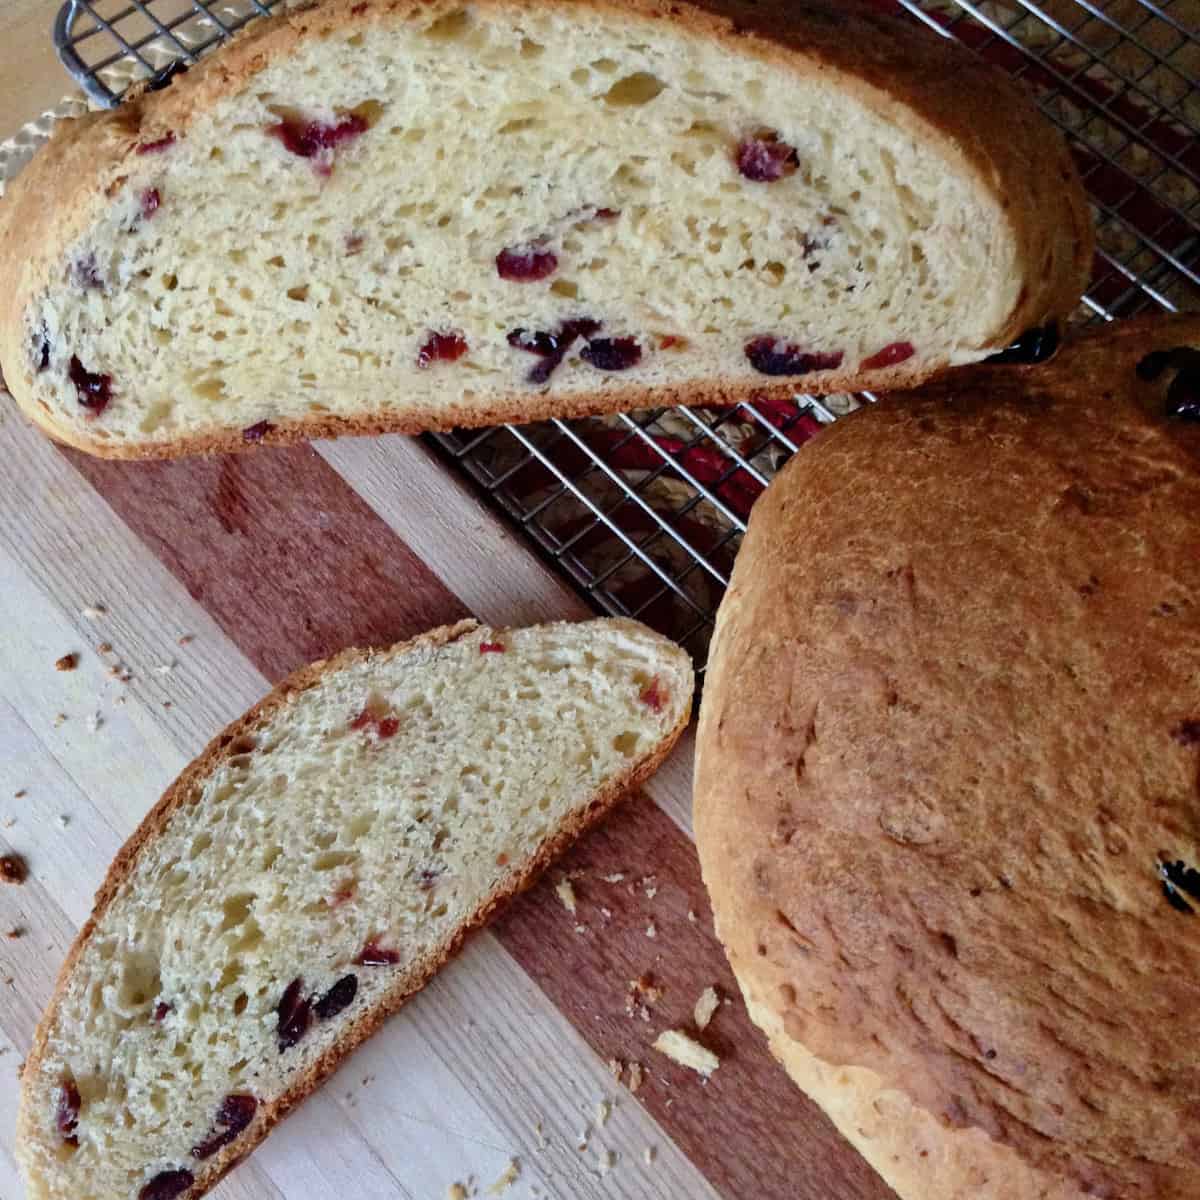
(293, 566)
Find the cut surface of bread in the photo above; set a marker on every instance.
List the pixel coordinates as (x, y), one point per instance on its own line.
(311, 870)
(947, 767)
(367, 216)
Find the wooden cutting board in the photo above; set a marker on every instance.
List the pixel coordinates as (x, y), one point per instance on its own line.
(185, 589)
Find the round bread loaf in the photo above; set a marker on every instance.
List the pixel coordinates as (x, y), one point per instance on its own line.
(947, 782)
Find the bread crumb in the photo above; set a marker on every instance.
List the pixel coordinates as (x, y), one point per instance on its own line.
(64, 820)
(650, 886)
(706, 1005)
(105, 647)
(541, 1137)
(13, 869)
(15, 933)
(606, 914)
(581, 929)
(615, 877)
(93, 612)
(94, 722)
(642, 993)
(581, 1140)
(686, 1051)
(566, 894)
(68, 662)
(635, 1076)
(648, 1156)
(615, 1068)
(59, 719)
(652, 930)
(165, 668)
(456, 1191)
(603, 1108)
(186, 638)
(691, 916)
(511, 1174)
(605, 1160)
(19, 793)
(9, 822)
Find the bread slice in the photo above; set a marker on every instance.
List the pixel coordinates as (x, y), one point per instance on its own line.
(311, 870)
(947, 767)
(373, 216)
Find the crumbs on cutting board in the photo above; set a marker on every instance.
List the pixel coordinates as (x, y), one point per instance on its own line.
(510, 1176)
(707, 1004)
(68, 662)
(686, 1051)
(566, 894)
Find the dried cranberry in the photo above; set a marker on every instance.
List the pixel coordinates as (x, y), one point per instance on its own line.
(387, 727)
(428, 877)
(375, 955)
(94, 390)
(87, 274)
(773, 356)
(295, 1015)
(167, 76)
(13, 869)
(1033, 346)
(492, 647)
(342, 896)
(1187, 733)
(364, 718)
(654, 695)
(158, 145)
(151, 199)
(671, 341)
(160, 1011)
(526, 264)
(235, 1113)
(354, 243)
(889, 356)
(612, 354)
(256, 432)
(765, 159)
(442, 347)
(41, 349)
(337, 998)
(551, 347)
(166, 1185)
(606, 214)
(308, 139)
(66, 1116)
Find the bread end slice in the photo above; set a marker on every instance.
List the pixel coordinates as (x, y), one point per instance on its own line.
(317, 863)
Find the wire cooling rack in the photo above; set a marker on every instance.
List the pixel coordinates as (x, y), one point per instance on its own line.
(644, 512)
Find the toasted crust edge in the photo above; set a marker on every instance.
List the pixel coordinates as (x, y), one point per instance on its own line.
(407, 983)
(1010, 150)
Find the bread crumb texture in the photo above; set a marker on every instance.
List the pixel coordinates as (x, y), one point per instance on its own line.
(317, 865)
(686, 1051)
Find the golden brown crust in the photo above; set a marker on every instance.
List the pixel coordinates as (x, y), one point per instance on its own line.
(936, 90)
(950, 730)
(225, 745)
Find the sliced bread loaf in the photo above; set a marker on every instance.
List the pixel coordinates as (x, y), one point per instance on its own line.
(373, 216)
(313, 867)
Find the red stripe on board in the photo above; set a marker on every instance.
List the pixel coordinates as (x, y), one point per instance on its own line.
(293, 565)
(288, 559)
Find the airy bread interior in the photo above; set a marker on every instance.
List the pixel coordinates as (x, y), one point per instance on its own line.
(293, 253)
(380, 808)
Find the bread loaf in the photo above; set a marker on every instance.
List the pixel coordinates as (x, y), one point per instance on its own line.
(949, 754)
(372, 216)
(313, 868)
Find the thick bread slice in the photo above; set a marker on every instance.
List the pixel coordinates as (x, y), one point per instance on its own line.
(323, 228)
(312, 869)
(947, 771)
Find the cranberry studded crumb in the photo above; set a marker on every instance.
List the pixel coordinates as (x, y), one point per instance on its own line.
(375, 955)
(526, 264)
(87, 274)
(235, 1113)
(68, 662)
(384, 727)
(551, 348)
(66, 1114)
(612, 354)
(158, 145)
(160, 1012)
(317, 140)
(654, 695)
(150, 203)
(354, 243)
(672, 341)
(13, 869)
(387, 727)
(166, 1185)
(428, 878)
(492, 647)
(765, 159)
(94, 390)
(889, 356)
(295, 1015)
(257, 431)
(441, 347)
(773, 356)
(337, 998)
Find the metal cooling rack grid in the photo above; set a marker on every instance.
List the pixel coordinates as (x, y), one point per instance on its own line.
(643, 512)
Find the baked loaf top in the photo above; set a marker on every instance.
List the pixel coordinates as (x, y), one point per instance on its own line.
(310, 870)
(948, 772)
(371, 216)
